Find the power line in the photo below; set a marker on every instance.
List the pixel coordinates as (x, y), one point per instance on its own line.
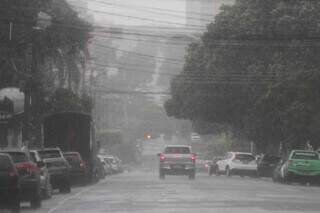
(154, 10)
(132, 92)
(164, 10)
(141, 54)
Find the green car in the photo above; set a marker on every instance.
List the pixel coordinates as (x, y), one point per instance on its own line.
(302, 166)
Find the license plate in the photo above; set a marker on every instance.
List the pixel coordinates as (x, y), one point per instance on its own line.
(177, 167)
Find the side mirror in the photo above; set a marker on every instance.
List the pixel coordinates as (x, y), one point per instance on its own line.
(40, 164)
(158, 154)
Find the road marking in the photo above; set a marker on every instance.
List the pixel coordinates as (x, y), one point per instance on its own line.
(61, 203)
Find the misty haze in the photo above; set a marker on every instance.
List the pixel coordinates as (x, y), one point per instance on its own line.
(171, 106)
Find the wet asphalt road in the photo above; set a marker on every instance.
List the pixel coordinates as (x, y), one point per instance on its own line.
(141, 191)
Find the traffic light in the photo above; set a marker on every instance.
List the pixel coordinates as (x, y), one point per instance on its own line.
(147, 136)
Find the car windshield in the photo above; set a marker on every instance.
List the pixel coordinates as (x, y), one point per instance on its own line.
(5, 163)
(305, 156)
(49, 154)
(177, 150)
(18, 157)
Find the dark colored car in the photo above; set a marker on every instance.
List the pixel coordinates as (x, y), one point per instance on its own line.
(213, 167)
(267, 165)
(177, 160)
(45, 182)
(29, 177)
(78, 169)
(9, 184)
(59, 168)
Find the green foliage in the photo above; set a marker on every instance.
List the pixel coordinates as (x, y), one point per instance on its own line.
(255, 71)
(66, 100)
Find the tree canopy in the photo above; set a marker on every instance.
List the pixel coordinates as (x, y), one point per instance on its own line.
(256, 71)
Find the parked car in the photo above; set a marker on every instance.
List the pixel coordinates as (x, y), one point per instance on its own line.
(113, 163)
(78, 168)
(101, 173)
(214, 166)
(106, 165)
(267, 164)
(58, 167)
(301, 166)
(238, 163)
(120, 165)
(45, 182)
(29, 176)
(9, 184)
(177, 160)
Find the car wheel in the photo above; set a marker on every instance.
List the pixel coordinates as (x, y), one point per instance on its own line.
(217, 171)
(48, 192)
(66, 187)
(287, 179)
(274, 179)
(162, 176)
(192, 176)
(15, 207)
(36, 200)
(228, 172)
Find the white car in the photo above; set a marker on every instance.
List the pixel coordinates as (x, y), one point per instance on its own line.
(238, 163)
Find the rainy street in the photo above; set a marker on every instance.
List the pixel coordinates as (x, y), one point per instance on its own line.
(159, 106)
(141, 191)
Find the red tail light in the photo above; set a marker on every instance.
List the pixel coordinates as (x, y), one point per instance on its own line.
(13, 174)
(290, 162)
(30, 167)
(162, 157)
(82, 164)
(193, 158)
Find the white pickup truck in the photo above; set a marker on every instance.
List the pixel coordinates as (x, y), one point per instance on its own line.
(177, 160)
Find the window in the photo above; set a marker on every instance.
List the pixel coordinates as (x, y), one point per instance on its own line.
(244, 157)
(305, 156)
(5, 163)
(177, 150)
(50, 154)
(72, 158)
(18, 157)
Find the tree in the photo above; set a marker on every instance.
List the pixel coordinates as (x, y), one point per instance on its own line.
(248, 70)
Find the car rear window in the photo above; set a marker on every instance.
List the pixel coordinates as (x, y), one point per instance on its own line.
(49, 154)
(305, 156)
(5, 163)
(33, 157)
(177, 150)
(72, 157)
(244, 157)
(18, 157)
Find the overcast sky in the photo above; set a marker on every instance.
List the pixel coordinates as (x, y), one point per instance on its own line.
(135, 12)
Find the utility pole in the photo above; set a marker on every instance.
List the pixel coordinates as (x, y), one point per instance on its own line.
(41, 21)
